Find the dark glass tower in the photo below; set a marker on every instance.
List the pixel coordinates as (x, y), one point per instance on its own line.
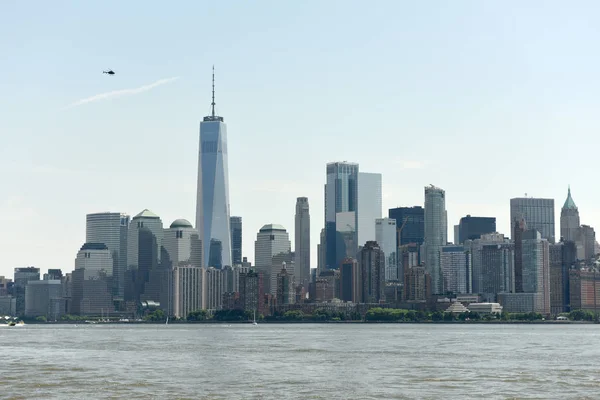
(471, 228)
(411, 223)
(235, 224)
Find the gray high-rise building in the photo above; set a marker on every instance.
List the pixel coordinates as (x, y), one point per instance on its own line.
(92, 280)
(454, 263)
(145, 220)
(22, 277)
(487, 269)
(144, 251)
(271, 248)
(386, 237)
(537, 213)
(436, 234)
(181, 244)
(341, 212)
(212, 200)
(569, 220)
(235, 224)
(302, 242)
(536, 269)
(369, 205)
(111, 229)
(587, 242)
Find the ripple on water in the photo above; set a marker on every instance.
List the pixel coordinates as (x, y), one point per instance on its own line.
(302, 361)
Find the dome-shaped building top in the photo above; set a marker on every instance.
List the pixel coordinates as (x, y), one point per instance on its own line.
(181, 223)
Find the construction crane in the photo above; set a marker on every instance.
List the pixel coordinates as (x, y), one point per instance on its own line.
(399, 231)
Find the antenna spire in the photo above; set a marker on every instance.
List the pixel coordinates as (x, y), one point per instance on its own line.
(213, 92)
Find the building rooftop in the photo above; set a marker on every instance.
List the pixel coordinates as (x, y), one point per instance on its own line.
(456, 308)
(146, 214)
(569, 203)
(94, 246)
(272, 227)
(181, 223)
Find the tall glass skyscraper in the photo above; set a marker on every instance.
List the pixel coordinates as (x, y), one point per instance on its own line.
(369, 205)
(411, 223)
(537, 213)
(111, 229)
(212, 200)
(235, 224)
(436, 231)
(341, 213)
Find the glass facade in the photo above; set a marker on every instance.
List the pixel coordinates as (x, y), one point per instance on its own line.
(341, 196)
(385, 235)
(271, 248)
(412, 222)
(471, 228)
(369, 205)
(235, 224)
(537, 213)
(436, 230)
(454, 263)
(212, 201)
(111, 229)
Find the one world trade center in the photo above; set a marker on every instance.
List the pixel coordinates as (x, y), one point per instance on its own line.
(212, 201)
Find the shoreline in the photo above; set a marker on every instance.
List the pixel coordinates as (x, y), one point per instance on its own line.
(210, 322)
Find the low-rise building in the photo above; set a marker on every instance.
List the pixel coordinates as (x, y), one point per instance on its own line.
(486, 308)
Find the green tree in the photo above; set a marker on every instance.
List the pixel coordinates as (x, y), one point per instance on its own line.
(198, 315)
(156, 316)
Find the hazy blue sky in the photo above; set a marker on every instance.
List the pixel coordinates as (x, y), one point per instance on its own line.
(488, 100)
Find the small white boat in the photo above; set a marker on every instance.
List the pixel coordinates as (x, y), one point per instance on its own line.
(254, 318)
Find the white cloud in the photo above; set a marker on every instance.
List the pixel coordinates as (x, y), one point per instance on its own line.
(122, 92)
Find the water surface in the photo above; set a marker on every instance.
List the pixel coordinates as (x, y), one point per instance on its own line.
(308, 361)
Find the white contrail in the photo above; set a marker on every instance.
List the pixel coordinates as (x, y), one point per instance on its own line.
(122, 92)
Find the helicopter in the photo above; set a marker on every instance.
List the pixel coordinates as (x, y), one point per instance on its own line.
(109, 72)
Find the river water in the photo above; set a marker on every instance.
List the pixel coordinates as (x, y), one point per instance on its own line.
(307, 361)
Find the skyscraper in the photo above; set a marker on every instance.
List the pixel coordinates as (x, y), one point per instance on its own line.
(535, 280)
(111, 229)
(538, 215)
(144, 242)
(22, 277)
(372, 267)
(369, 205)
(212, 200)
(182, 244)
(302, 242)
(569, 219)
(271, 248)
(410, 221)
(235, 224)
(454, 263)
(536, 269)
(145, 220)
(350, 281)
(471, 228)
(385, 235)
(436, 231)
(91, 292)
(341, 212)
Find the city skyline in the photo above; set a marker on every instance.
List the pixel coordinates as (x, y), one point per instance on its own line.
(519, 99)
